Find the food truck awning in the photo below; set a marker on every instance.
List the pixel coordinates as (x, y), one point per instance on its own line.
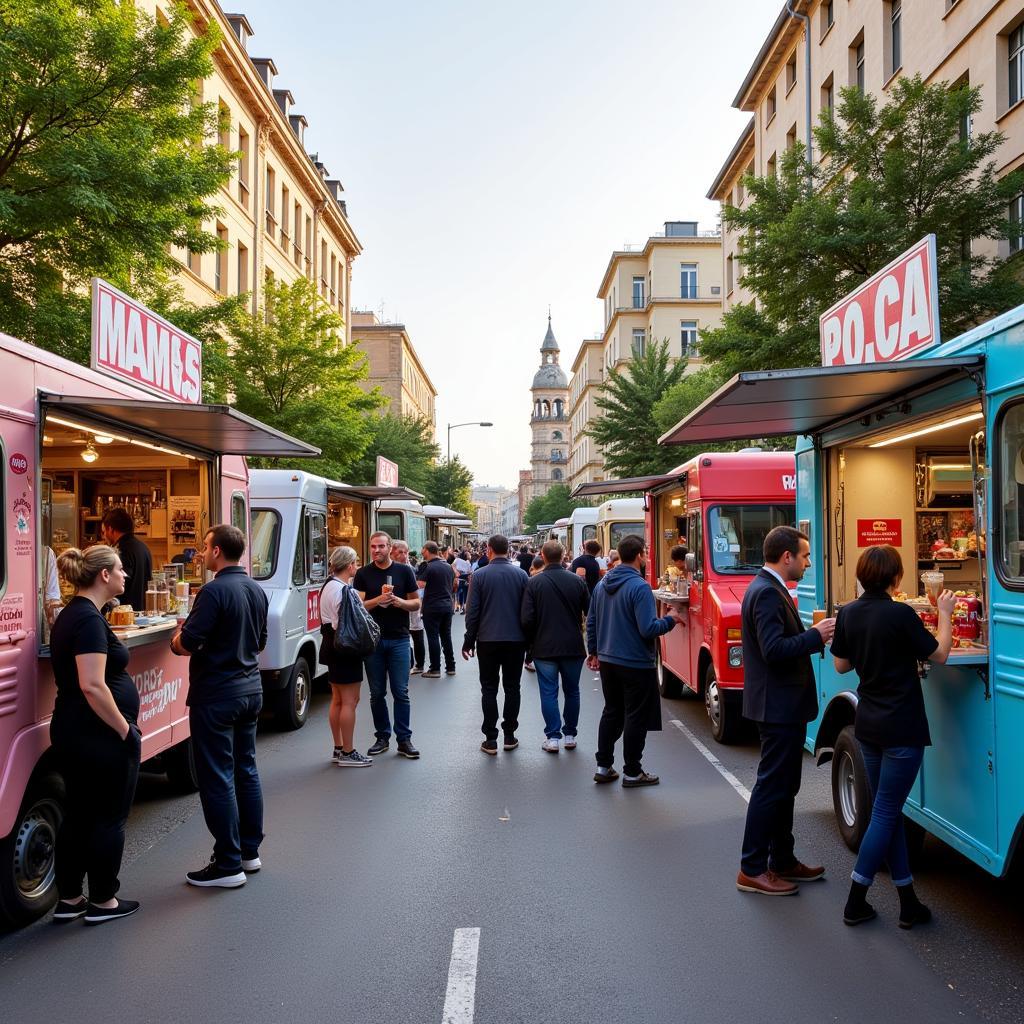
(775, 403)
(440, 512)
(378, 493)
(213, 429)
(455, 522)
(630, 483)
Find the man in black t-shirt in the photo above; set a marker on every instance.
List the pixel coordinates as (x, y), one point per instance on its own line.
(437, 582)
(525, 558)
(119, 532)
(389, 592)
(587, 566)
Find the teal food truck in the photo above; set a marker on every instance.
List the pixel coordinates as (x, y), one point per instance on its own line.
(906, 440)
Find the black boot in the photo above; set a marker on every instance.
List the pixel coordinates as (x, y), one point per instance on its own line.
(912, 910)
(858, 910)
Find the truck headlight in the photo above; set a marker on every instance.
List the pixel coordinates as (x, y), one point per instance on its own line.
(735, 656)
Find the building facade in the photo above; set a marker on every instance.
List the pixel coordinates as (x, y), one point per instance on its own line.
(394, 367)
(871, 45)
(524, 492)
(586, 462)
(549, 421)
(282, 216)
(510, 521)
(488, 504)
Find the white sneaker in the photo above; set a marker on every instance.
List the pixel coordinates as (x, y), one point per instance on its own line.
(550, 745)
(252, 866)
(569, 742)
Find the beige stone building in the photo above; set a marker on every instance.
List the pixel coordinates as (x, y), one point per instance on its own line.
(549, 421)
(586, 462)
(872, 44)
(394, 366)
(282, 215)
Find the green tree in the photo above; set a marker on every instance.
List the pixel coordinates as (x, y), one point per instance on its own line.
(681, 399)
(889, 175)
(104, 157)
(286, 366)
(550, 507)
(450, 484)
(408, 441)
(626, 430)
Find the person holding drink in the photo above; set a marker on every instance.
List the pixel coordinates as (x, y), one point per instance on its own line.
(883, 640)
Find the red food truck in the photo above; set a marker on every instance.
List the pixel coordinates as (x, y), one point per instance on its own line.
(75, 442)
(719, 506)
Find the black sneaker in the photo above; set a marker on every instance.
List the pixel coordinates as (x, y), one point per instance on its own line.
(643, 779)
(489, 747)
(511, 743)
(67, 911)
(406, 749)
(379, 747)
(97, 915)
(212, 876)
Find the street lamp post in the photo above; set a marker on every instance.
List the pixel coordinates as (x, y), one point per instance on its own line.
(451, 427)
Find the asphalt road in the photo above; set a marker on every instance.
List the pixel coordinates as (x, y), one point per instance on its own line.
(592, 903)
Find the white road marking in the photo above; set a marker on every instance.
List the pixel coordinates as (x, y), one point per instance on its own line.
(460, 999)
(715, 763)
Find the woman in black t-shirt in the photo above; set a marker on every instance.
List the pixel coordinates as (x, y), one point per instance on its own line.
(883, 640)
(95, 737)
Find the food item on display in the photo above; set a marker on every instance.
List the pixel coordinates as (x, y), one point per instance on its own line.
(122, 615)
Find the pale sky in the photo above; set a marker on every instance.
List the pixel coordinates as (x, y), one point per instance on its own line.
(494, 156)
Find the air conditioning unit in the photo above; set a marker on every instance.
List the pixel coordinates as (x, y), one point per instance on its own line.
(950, 484)
(716, 289)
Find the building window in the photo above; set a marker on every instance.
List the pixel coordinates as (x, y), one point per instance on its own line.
(269, 199)
(688, 280)
(243, 167)
(791, 138)
(297, 242)
(688, 339)
(1016, 55)
(243, 269)
(285, 211)
(769, 108)
(556, 435)
(638, 293)
(1017, 224)
(728, 275)
(223, 125)
(828, 95)
(790, 73)
(323, 269)
(770, 166)
(896, 34)
(639, 341)
(556, 474)
(309, 247)
(220, 261)
(857, 63)
(828, 16)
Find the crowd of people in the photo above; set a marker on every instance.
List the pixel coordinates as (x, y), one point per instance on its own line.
(523, 608)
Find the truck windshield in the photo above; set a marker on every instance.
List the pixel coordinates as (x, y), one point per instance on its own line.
(617, 532)
(264, 537)
(736, 535)
(589, 532)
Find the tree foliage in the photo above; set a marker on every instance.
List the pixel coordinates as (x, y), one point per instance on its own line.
(681, 399)
(105, 158)
(550, 507)
(626, 429)
(408, 441)
(450, 484)
(286, 366)
(889, 174)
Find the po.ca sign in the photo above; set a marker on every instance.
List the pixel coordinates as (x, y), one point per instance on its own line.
(892, 315)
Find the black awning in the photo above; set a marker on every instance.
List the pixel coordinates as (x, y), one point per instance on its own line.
(630, 483)
(211, 429)
(776, 403)
(378, 493)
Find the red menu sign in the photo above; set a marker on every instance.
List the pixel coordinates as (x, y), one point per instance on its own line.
(891, 316)
(132, 343)
(312, 609)
(879, 531)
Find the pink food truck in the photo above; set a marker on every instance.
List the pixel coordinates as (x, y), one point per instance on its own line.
(130, 433)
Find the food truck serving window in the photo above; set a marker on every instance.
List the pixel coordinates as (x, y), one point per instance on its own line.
(736, 534)
(1010, 502)
(265, 534)
(618, 532)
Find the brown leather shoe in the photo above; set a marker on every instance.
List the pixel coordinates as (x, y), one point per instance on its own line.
(801, 873)
(767, 884)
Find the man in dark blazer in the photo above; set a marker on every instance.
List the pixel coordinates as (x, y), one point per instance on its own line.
(780, 695)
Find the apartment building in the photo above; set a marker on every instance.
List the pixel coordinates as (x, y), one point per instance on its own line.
(586, 462)
(871, 44)
(282, 215)
(510, 521)
(394, 366)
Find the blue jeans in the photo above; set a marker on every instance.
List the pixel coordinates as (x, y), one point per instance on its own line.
(224, 743)
(891, 774)
(548, 672)
(390, 661)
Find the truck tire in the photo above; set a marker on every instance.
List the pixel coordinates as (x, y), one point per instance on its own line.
(669, 684)
(180, 765)
(28, 887)
(293, 707)
(724, 710)
(851, 796)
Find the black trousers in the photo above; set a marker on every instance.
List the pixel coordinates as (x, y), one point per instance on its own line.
(418, 650)
(631, 707)
(768, 836)
(100, 772)
(501, 663)
(438, 627)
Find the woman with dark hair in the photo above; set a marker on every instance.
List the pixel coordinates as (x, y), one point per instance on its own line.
(883, 640)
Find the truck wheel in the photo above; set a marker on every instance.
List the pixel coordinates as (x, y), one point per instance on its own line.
(293, 709)
(851, 796)
(180, 764)
(724, 711)
(27, 879)
(668, 682)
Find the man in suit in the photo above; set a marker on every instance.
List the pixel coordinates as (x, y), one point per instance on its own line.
(780, 695)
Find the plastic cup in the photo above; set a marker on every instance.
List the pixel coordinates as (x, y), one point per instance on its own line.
(933, 581)
(817, 616)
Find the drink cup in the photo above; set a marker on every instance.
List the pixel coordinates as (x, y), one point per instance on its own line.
(932, 582)
(817, 615)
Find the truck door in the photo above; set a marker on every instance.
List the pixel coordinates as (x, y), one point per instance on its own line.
(695, 610)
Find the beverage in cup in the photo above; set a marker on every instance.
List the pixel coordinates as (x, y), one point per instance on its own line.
(817, 615)
(932, 582)
(388, 586)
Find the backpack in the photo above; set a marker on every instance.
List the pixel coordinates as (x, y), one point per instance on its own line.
(357, 632)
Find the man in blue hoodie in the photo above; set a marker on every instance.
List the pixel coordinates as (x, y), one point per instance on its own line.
(622, 630)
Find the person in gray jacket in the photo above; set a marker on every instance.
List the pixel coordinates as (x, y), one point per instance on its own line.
(494, 631)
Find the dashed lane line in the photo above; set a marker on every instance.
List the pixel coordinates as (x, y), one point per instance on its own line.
(715, 763)
(460, 999)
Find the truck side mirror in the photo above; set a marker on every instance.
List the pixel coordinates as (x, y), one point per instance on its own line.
(691, 562)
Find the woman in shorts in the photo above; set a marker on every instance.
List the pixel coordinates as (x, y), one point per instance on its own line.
(344, 668)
